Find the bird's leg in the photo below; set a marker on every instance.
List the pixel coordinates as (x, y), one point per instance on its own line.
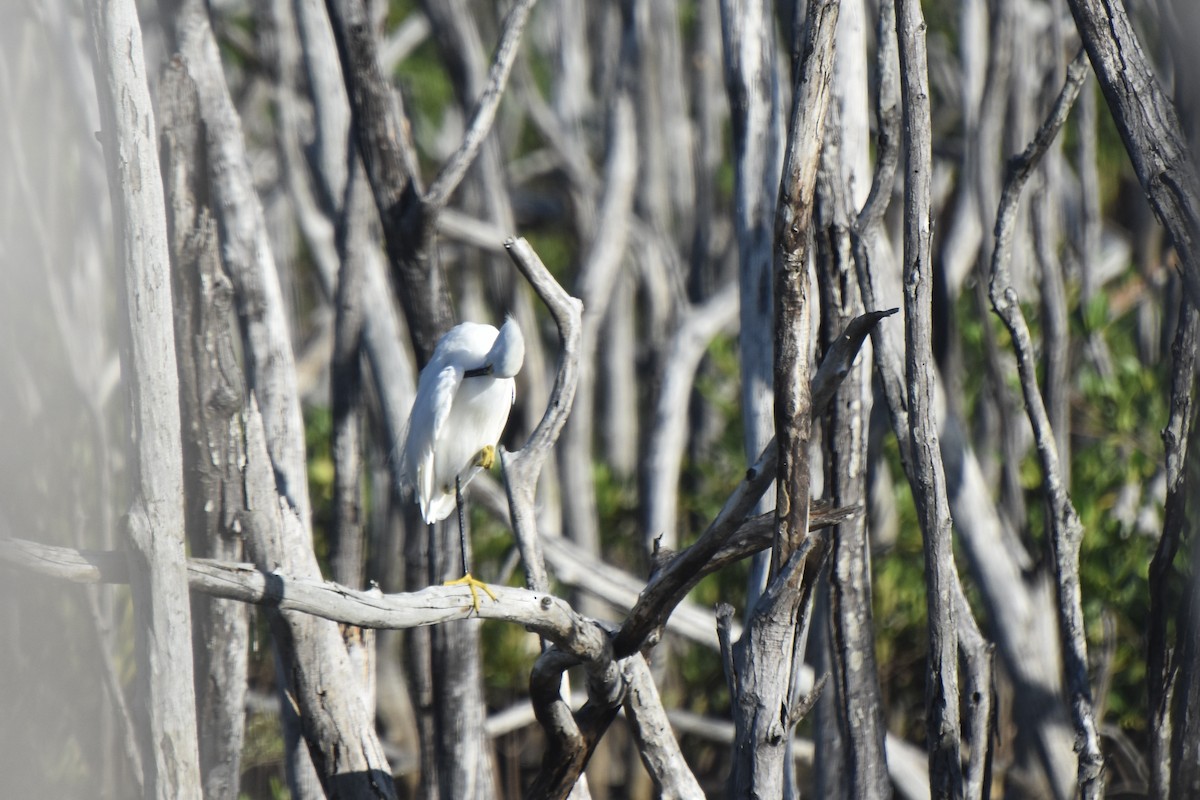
(486, 457)
(467, 579)
(462, 528)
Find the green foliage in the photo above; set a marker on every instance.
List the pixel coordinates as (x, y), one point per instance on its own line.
(1118, 450)
(898, 606)
(318, 442)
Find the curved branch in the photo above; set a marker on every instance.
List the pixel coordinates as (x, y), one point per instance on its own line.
(522, 468)
(1064, 528)
(484, 114)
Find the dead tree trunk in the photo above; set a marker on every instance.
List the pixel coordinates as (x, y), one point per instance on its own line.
(211, 392)
(929, 482)
(167, 711)
(764, 664)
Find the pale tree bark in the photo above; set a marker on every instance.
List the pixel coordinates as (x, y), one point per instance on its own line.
(211, 392)
(756, 113)
(320, 680)
(166, 715)
(348, 533)
(64, 657)
(1162, 672)
(668, 433)
(567, 755)
(850, 758)
(277, 517)
(594, 285)
(343, 226)
(764, 710)
(246, 249)
(997, 559)
(346, 382)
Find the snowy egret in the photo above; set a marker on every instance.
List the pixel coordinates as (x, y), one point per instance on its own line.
(464, 396)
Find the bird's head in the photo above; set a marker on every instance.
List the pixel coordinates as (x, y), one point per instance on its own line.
(507, 354)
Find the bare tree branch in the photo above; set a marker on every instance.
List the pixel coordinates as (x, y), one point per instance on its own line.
(380, 128)
(484, 114)
(1161, 665)
(246, 250)
(697, 328)
(657, 745)
(1148, 124)
(762, 692)
(594, 286)
(211, 391)
(346, 384)
(669, 585)
(929, 479)
(1065, 529)
(521, 469)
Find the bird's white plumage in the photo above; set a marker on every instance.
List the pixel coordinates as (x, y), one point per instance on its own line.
(455, 416)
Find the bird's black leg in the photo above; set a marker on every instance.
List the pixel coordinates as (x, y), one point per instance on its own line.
(466, 580)
(462, 529)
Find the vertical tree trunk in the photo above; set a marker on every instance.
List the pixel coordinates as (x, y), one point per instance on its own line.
(167, 712)
(755, 105)
(854, 707)
(929, 488)
(764, 710)
(211, 392)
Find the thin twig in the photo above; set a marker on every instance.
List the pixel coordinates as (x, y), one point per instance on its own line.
(1065, 529)
(484, 115)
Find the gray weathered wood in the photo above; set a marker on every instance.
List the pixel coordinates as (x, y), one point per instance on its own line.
(211, 392)
(663, 461)
(850, 743)
(246, 250)
(757, 117)
(569, 747)
(319, 677)
(1064, 527)
(594, 284)
(929, 483)
(166, 715)
(762, 696)
(1161, 676)
(1148, 124)
(346, 382)
(657, 746)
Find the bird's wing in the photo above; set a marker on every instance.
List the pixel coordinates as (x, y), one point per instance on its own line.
(435, 393)
(445, 386)
(437, 411)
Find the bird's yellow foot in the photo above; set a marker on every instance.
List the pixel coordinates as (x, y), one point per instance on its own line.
(486, 457)
(474, 585)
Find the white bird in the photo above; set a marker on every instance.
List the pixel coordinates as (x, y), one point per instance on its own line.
(464, 397)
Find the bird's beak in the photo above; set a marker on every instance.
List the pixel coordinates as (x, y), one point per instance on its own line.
(478, 372)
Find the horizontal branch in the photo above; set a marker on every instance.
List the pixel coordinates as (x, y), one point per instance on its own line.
(539, 613)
